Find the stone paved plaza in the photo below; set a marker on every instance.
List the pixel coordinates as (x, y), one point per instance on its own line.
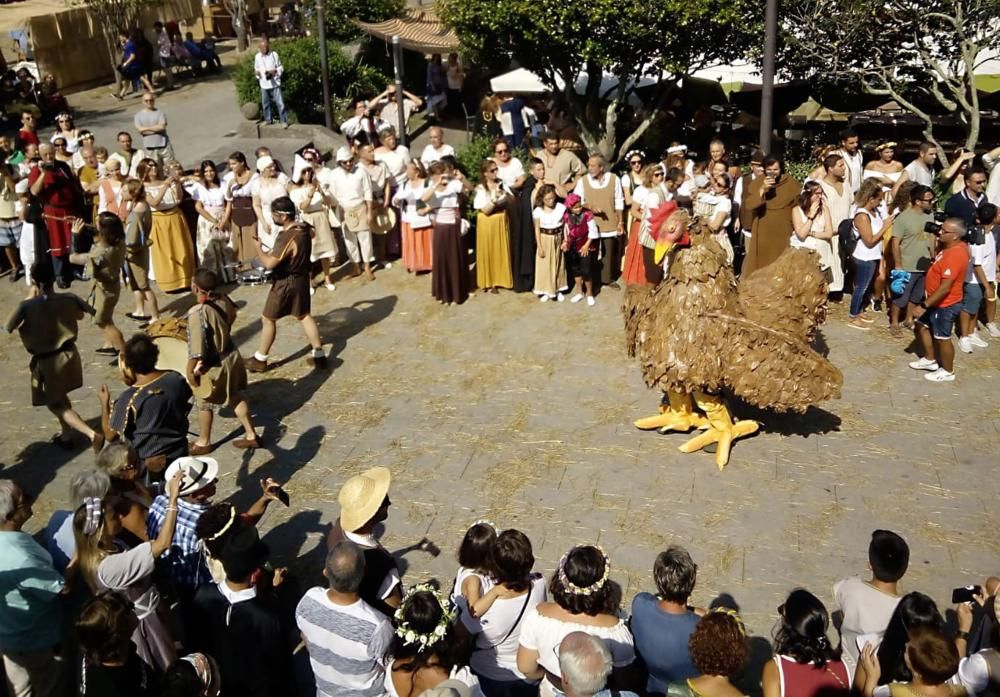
(521, 412)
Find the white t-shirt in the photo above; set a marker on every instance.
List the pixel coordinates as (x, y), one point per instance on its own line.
(861, 251)
(984, 255)
(346, 644)
(919, 173)
(483, 197)
(544, 634)
(495, 657)
(866, 610)
(511, 172)
(485, 584)
(549, 220)
(431, 154)
(973, 673)
(406, 198)
(719, 204)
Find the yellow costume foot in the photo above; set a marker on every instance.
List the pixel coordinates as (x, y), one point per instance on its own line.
(721, 429)
(677, 415)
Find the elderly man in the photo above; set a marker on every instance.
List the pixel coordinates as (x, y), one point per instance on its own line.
(601, 193)
(943, 286)
(352, 187)
(364, 503)
(345, 636)
(109, 190)
(584, 666)
(31, 612)
(152, 126)
(268, 69)
(436, 148)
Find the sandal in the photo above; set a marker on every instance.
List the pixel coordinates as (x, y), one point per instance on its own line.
(248, 443)
(107, 351)
(138, 318)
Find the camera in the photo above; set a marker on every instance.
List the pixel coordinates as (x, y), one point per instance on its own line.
(976, 234)
(934, 227)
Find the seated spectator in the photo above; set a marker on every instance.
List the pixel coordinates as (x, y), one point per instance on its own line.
(497, 631)
(194, 675)
(111, 666)
(585, 664)
(868, 605)
(805, 664)
(426, 649)
(221, 520)
(584, 596)
(208, 51)
(663, 624)
(933, 658)
(183, 56)
(90, 483)
(914, 610)
(120, 462)
(152, 414)
(107, 564)
(53, 102)
(240, 629)
(718, 648)
(364, 503)
(31, 611)
(184, 564)
(345, 636)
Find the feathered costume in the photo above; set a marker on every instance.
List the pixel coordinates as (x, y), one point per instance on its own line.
(698, 335)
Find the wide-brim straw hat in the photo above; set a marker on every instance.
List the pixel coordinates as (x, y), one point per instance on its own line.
(362, 496)
(198, 473)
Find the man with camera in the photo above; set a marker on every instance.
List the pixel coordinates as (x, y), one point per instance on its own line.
(267, 68)
(55, 186)
(943, 302)
(912, 248)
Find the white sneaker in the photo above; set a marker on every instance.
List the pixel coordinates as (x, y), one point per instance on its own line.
(330, 286)
(312, 290)
(560, 297)
(976, 341)
(924, 364)
(993, 330)
(940, 375)
(543, 298)
(387, 265)
(964, 344)
(576, 298)
(590, 300)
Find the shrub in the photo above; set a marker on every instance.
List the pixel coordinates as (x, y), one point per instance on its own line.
(339, 13)
(301, 84)
(799, 170)
(471, 155)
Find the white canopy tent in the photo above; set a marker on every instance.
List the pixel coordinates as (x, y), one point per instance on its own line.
(524, 81)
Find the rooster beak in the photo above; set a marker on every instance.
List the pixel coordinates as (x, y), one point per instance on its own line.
(660, 250)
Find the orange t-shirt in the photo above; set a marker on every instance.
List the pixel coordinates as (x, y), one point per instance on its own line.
(949, 263)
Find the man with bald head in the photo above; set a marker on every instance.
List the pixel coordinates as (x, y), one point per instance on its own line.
(436, 148)
(585, 665)
(109, 191)
(89, 178)
(57, 189)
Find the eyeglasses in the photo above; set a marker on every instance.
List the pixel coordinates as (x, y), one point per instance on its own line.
(492, 171)
(502, 151)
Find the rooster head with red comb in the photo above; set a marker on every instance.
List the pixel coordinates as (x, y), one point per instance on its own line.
(668, 225)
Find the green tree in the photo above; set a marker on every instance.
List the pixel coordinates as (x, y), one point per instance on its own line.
(300, 83)
(920, 53)
(566, 42)
(339, 13)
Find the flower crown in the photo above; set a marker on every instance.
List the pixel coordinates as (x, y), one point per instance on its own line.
(574, 589)
(409, 635)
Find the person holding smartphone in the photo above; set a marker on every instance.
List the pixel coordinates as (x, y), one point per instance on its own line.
(770, 201)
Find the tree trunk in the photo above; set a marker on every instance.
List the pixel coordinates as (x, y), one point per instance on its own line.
(113, 55)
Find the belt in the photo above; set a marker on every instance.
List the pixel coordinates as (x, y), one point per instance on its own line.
(48, 354)
(550, 230)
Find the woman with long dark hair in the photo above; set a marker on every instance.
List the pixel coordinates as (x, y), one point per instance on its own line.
(212, 238)
(240, 216)
(805, 663)
(914, 610)
(426, 650)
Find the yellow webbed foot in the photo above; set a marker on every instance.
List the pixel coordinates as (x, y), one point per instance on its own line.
(724, 437)
(677, 414)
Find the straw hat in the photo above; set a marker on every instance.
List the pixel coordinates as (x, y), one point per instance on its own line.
(362, 496)
(199, 472)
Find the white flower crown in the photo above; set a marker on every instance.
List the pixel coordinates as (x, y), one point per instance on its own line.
(410, 635)
(574, 589)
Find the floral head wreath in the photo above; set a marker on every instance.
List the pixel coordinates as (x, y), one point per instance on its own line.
(489, 523)
(574, 589)
(735, 615)
(630, 153)
(409, 635)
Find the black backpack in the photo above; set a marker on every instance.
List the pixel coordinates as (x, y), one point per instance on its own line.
(848, 240)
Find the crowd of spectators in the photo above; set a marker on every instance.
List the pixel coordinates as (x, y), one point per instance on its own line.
(187, 602)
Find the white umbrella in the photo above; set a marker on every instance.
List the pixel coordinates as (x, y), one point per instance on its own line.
(521, 80)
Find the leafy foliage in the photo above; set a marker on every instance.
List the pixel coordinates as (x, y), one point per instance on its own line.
(300, 83)
(663, 41)
(920, 53)
(339, 13)
(471, 155)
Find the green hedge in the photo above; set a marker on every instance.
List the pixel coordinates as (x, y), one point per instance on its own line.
(301, 85)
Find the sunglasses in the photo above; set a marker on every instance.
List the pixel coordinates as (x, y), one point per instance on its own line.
(501, 152)
(492, 171)
(635, 162)
(658, 174)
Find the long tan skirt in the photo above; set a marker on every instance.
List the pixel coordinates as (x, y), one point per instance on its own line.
(323, 244)
(549, 272)
(172, 250)
(493, 251)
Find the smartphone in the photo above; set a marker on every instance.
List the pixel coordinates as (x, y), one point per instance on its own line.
(283, 496)
(965, 594)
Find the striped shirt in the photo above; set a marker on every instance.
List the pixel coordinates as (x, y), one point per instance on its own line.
(346, 644)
